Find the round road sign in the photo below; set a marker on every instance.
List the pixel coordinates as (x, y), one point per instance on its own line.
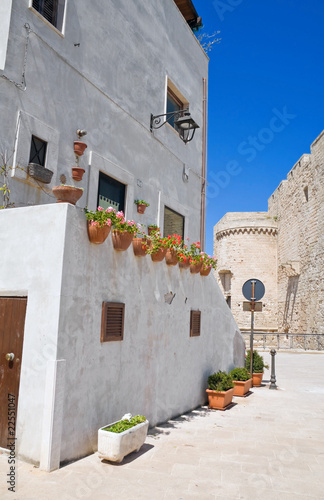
(258, 289)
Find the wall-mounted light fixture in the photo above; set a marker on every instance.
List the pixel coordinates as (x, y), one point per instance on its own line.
(182, 120)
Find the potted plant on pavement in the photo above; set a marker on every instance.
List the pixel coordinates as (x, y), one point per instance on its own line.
(120, 438)
(99, 223)
(258, 367)
(220, 390)
(141, 206)
(242, 381)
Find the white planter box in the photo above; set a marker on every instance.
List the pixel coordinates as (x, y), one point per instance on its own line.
(115, 446)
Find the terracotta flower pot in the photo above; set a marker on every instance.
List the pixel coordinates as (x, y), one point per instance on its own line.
(171, 257)
(77, 173)
(79, 147)
(195, 268)
(159, 255)
(242, 387)
(97, 234)
(151, 229)
(219, 400)
(184, 265)
(204, 271)
(257, 379)
(67, 194)
(121, 240)
(141, 208)
(138, 249)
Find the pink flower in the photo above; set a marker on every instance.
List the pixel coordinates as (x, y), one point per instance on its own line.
(108, 222)
(100, 209)
(120, 214)
(110, 209)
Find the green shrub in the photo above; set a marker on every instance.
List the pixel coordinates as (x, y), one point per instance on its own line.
(258, 363)
(123, 425)
(240, 374)
(220, 381)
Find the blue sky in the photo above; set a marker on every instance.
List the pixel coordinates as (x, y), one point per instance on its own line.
(266, 102)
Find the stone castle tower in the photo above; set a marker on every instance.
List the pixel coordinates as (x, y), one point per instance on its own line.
(284, 248)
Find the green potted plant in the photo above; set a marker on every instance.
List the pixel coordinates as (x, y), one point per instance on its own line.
(157, 246)
(140, 243)
(141, 206)
(258, 367)
(220, 390)
(195, 258)
(123, 232)
(153, 228)
(120, 438)
(242, 381)
(99, 223)
(208, 263)
(173, 244)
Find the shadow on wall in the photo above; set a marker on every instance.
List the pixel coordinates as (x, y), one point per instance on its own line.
(290, 302)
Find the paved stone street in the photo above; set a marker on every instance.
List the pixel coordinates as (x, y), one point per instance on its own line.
(270, 445)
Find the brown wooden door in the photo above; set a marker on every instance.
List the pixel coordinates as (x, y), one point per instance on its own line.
(12, 323)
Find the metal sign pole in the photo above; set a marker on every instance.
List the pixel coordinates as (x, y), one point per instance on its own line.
(252, 325)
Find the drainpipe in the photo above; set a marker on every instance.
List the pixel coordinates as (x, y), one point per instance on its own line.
(203, 171)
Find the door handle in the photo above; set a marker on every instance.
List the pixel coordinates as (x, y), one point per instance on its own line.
(10, 356)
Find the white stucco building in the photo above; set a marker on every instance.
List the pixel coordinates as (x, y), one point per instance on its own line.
(65, 66)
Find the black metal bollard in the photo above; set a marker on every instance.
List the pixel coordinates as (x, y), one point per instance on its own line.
(273, 370)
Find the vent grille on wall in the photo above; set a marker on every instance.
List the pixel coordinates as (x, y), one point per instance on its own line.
(112, 321)
(195, 317)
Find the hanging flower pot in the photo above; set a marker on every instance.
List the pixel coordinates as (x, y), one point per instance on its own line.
(77, 173)
(121, 240)
(171, 257)
(195, 268)
(184, 265)
(139, 247)
(152, 229)
(97, 234)
(159, 255)
(67, 194)
(204, 271)
(141, 206)
(79, 147)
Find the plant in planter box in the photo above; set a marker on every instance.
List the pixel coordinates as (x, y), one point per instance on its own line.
(242, 381)
(120, 438)
(99, 223)
(257, 366)
(141, 206)
(220, 390)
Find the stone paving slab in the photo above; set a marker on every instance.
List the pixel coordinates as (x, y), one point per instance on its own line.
(269, 445)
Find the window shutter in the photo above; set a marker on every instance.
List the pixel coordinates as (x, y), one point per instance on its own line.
(112, 321)
(195, 323)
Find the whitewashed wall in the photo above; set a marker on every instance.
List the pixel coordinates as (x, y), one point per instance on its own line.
(71, 383)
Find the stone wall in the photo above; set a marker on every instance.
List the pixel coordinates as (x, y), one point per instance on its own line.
(284, 248)
(245, 245)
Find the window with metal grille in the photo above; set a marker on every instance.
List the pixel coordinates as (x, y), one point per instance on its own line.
(195, 317)
(111, 193)
(37, 151)
(112, 321)
(51, 10)
(173, 223)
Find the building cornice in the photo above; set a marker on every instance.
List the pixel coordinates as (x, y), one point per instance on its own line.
(271, 231)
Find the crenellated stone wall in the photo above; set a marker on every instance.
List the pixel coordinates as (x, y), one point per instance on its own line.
(283, 247)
